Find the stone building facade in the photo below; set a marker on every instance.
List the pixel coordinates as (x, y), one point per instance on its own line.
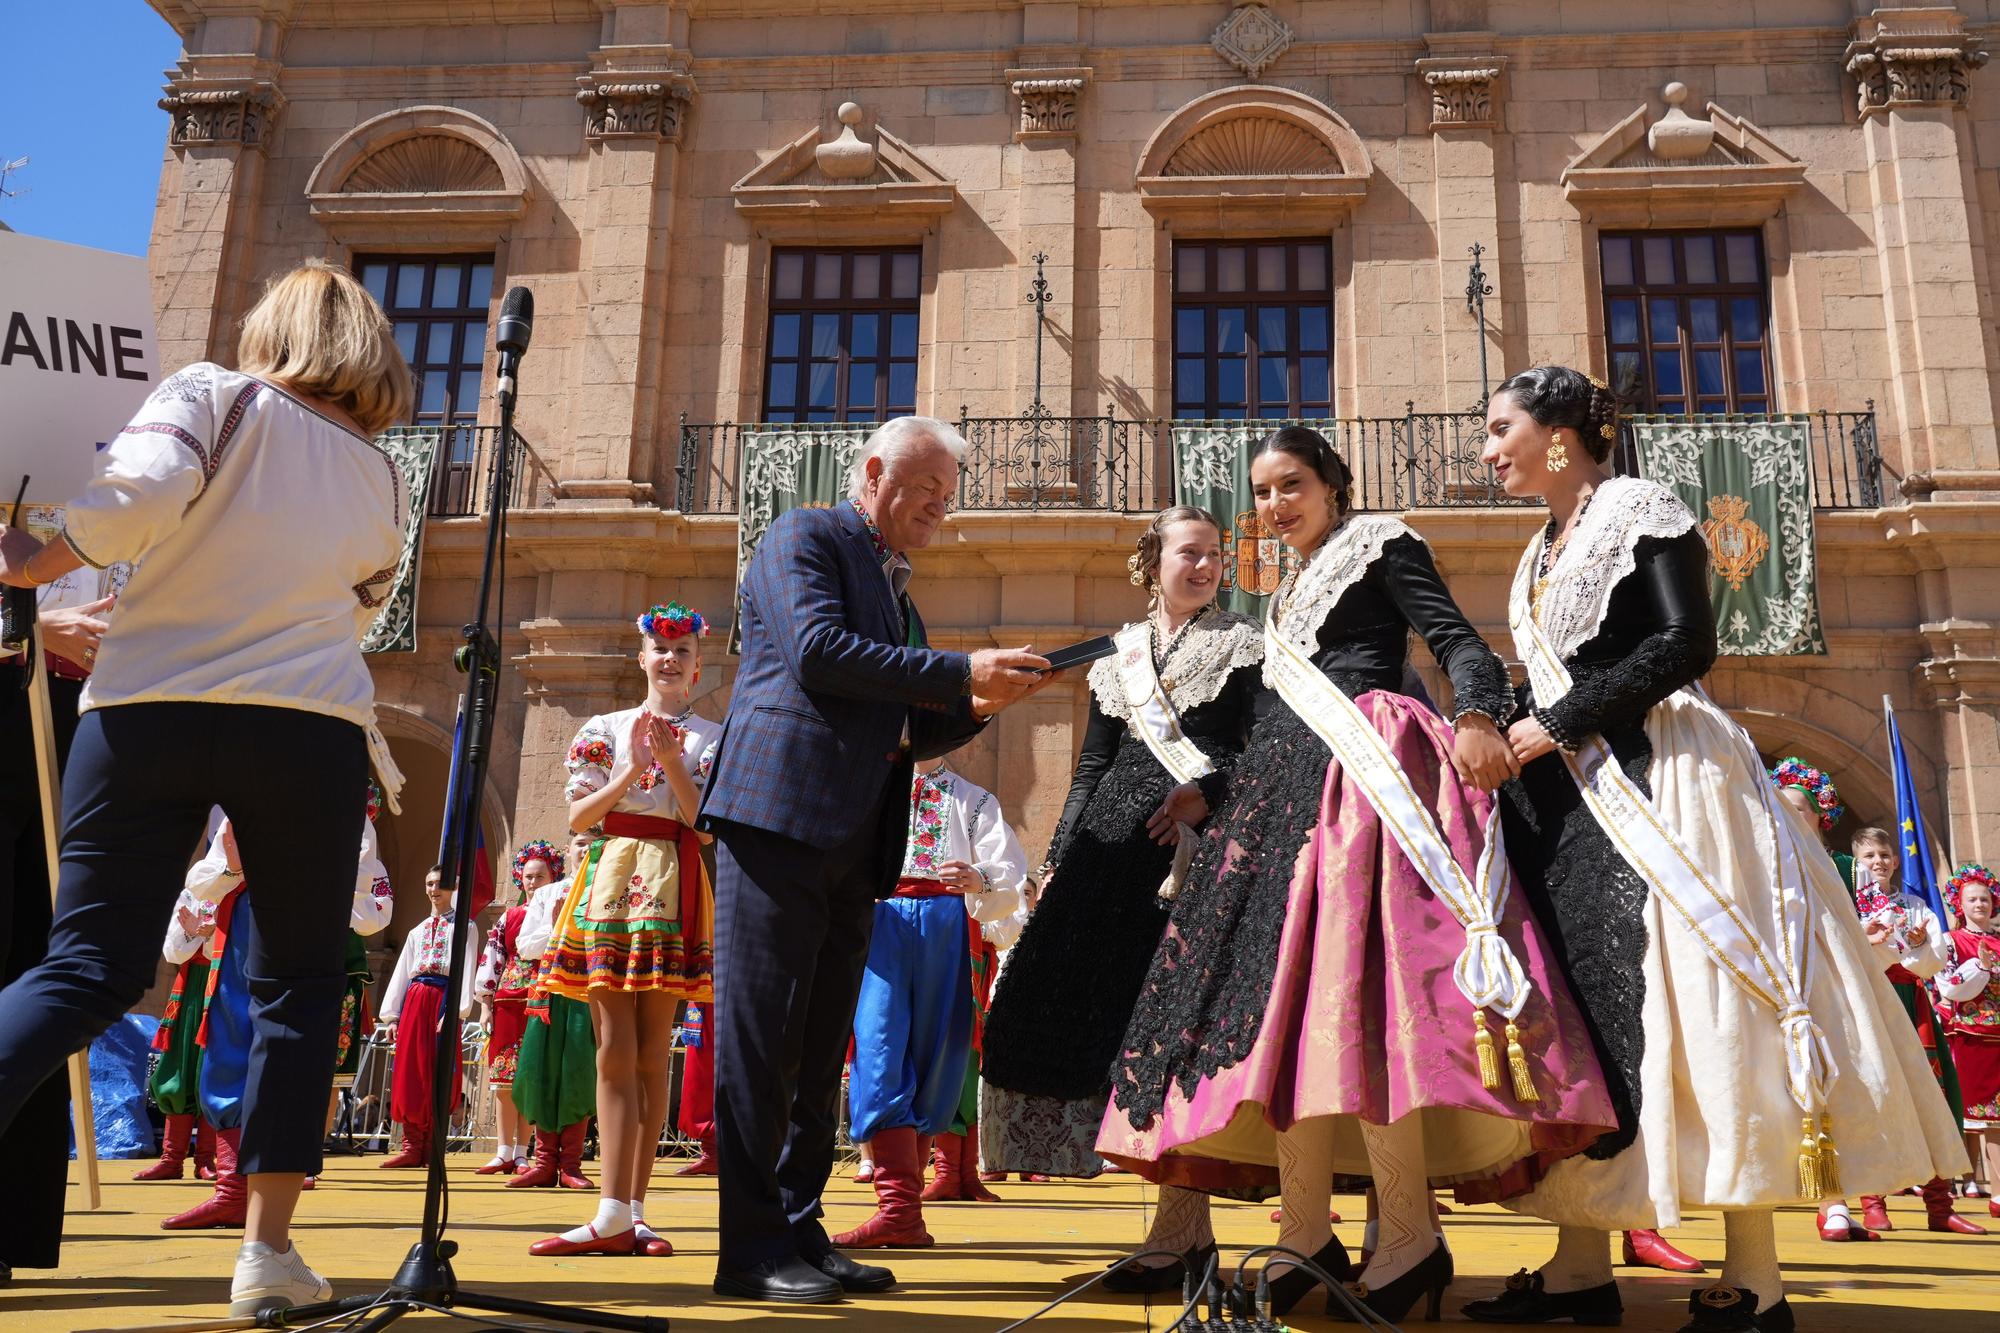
(677, 179)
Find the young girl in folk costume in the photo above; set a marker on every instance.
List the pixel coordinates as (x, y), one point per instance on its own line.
(1739, 1010)
(555, 1077)
(1810, 791)
(175, 1083)
(415, 1005)
(1169, 715)
(1320, 1001)
(1969, 1003)
(636, 935)
(505, 978)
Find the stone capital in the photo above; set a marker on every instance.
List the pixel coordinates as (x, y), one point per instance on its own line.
(633, 105)
(1912, 58)
(1049, 99)
(1465, 91)
(239, 113)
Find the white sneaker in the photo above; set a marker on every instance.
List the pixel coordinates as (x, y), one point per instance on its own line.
(267, 1279)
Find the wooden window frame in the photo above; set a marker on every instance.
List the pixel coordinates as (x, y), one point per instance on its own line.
(1291, 299)
(425, 316)
(1643, 393)
(844, 306)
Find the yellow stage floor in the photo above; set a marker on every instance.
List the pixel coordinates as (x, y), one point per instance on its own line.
(992, 1262)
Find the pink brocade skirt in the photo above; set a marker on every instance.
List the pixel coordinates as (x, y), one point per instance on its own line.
(1357, 1016)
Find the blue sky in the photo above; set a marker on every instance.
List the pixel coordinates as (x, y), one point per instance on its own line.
(94, 166)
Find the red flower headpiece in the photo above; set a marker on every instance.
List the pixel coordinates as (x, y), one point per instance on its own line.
(1971, 872)
(673, 621)
(538, 850)
(1817, 785)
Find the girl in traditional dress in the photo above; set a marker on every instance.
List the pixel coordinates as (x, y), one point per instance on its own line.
(1066, 993)
(636, 935)
(1970, 993)
(416, 1003)
(1737, 1008)
(1319, 1003)
(505, 977)
(555, 1078)
(175, 1083)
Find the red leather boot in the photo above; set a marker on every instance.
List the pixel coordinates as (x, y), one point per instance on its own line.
(1937, 1203)
(204, 1149)
(416, 1150)
(230, 1202)
(569, 1157)
(899, 1212)
(1875, 1213)
(1649, 1249)
(706, 1164)
(969, 1185)
(173, 1151)
(543, 1170)
(947, 1171)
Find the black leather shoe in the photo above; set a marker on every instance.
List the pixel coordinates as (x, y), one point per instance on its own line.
(1525, 1301)
(1722, 1309)
(1148, 1280)
(790, 1279)
(1289, 1288)
(853, 1277)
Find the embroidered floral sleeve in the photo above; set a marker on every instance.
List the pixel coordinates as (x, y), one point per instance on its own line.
(591, 756)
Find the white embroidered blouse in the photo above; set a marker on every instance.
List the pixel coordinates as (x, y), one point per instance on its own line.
(600, 745)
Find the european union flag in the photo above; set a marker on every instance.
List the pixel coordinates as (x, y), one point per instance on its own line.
(1919, 873)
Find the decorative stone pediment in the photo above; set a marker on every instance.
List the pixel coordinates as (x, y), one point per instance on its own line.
(1251, 38)
(878, 183)
(445, 167)
(237, 112)
(1910, 58)
(1254, 156)
(1678, 169)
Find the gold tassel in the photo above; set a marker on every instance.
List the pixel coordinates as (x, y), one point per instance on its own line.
(1482, 1043)
(1517, 1064)
(1829, 1160)
(1812, 1184)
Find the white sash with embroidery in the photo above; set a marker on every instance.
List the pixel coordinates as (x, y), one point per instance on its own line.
(1153, 715)
(1487, 972)
(1773, 974)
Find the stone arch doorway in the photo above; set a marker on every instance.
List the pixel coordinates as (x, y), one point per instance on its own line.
(409, 840)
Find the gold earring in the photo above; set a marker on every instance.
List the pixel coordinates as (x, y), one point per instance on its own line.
(1558, 453)
(1138, 576)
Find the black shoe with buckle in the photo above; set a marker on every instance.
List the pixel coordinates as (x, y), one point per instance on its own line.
(1527, 1301)
(1722, 1309)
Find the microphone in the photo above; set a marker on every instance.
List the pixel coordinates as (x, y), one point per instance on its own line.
(511, 336)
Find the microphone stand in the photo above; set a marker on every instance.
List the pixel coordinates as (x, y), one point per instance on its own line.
(425, 1282)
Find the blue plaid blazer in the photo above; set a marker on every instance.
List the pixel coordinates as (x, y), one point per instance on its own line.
(824, 689)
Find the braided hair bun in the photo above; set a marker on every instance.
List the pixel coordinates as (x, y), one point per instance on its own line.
(1559, 396)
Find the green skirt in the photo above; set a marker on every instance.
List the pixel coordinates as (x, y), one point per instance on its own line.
(555, 1079)
(1919, 1009)
(175, 1086)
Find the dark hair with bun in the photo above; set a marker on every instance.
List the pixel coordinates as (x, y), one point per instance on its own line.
(1558, 396)
(1145, 561)
(1310, 447)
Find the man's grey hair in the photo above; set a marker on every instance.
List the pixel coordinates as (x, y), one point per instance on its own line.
(899, 439)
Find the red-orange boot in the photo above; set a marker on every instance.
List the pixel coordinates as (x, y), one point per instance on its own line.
(416, 1150)
(899, 1213)
(173, 1151)
(1875, 1213)
(569, 1157)
(1649, 1249)
(969, 1184)
(230, 1202)
(705, 1165)
(947, 1173)
(1937, 1203)
(204, 1149)
(543, 1170)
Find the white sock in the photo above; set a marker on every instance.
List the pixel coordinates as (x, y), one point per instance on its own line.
(1181, 1222)
(638, 1207)
(1836, 1213)
(614, 1217)
(1408, 1231)
(1305, 1180)
(1582, 1260)
(1750, 1255)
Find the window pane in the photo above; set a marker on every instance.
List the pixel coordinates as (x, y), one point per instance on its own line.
(1743, 258)
(867, 277)
(472, 350)
(789, 283)
(444, 291)
(1231, 264)
(903, 283)
(1705, 319)
(821, 386)
(406, 339)
(1659, 259)
(1625, 381)
(1190, 330)
(862, 335)
(1617, 252)
(1312, 328)
(1273, 383)
(1271, 268)
(1314, 387)
(1708, 371)
(479, 287)
(903, 387)
(784, 384)
(1666, 372)
(1625, 321)
(775, 416)
(784, 335)
(1229, 414)
(375, 277)
(1229, 330)
(1188, 379)
(1312, 268)
(1271, 329)
(437, 346)
(1187, 414)
(902, 335)
(410, 286)
(1749, 372)
(826, 275)
(860, 387)
(1665, 315)
(826, 335)
(467, 398)
(820, 414)
(1229, 380)
(1191, 268)
(436, 384)
(1713, 406)
(1699, 253)
(1746, 319)
(1753, 405)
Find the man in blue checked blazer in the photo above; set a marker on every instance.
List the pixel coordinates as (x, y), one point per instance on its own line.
(836, 697)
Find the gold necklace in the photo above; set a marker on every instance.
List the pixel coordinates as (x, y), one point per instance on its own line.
(1553, 553)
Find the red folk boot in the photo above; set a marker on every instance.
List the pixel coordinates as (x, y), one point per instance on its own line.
(173, 1151)
(706, 1164)
(569, 1157)
(204, 1149)
(230, 1202)
(543, 1170)
(969, 1185)
(1937, 1203)
(899, 1214)
(1649, 1249)
(1875, 1213)
(947, 1173)
(416, 1150)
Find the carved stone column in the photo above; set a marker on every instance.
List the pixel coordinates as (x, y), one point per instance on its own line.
(1466, 83)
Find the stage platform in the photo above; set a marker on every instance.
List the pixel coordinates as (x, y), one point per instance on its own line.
(992, 1263)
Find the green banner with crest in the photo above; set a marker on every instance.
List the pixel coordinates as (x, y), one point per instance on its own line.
(414, 452)
(785, 468)
(1211, 461)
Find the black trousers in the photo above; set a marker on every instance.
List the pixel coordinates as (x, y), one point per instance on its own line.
(792, 924)
(137, 791)
(35, 1148)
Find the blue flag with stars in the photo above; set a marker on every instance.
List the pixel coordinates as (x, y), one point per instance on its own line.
(1919, 873)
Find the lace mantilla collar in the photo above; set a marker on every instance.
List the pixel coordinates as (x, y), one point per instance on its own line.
(1216, 645)
(1600, 553)
(1307, 597)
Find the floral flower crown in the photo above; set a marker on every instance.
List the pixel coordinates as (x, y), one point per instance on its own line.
(538, 850)
(1971, 872)
(673, 621)
(1795, 772)
(374, 800)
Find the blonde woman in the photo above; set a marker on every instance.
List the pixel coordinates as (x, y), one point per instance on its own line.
(268, 524)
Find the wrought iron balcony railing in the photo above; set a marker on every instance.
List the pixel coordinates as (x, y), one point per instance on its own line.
(462, 470)
(1419, 460)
